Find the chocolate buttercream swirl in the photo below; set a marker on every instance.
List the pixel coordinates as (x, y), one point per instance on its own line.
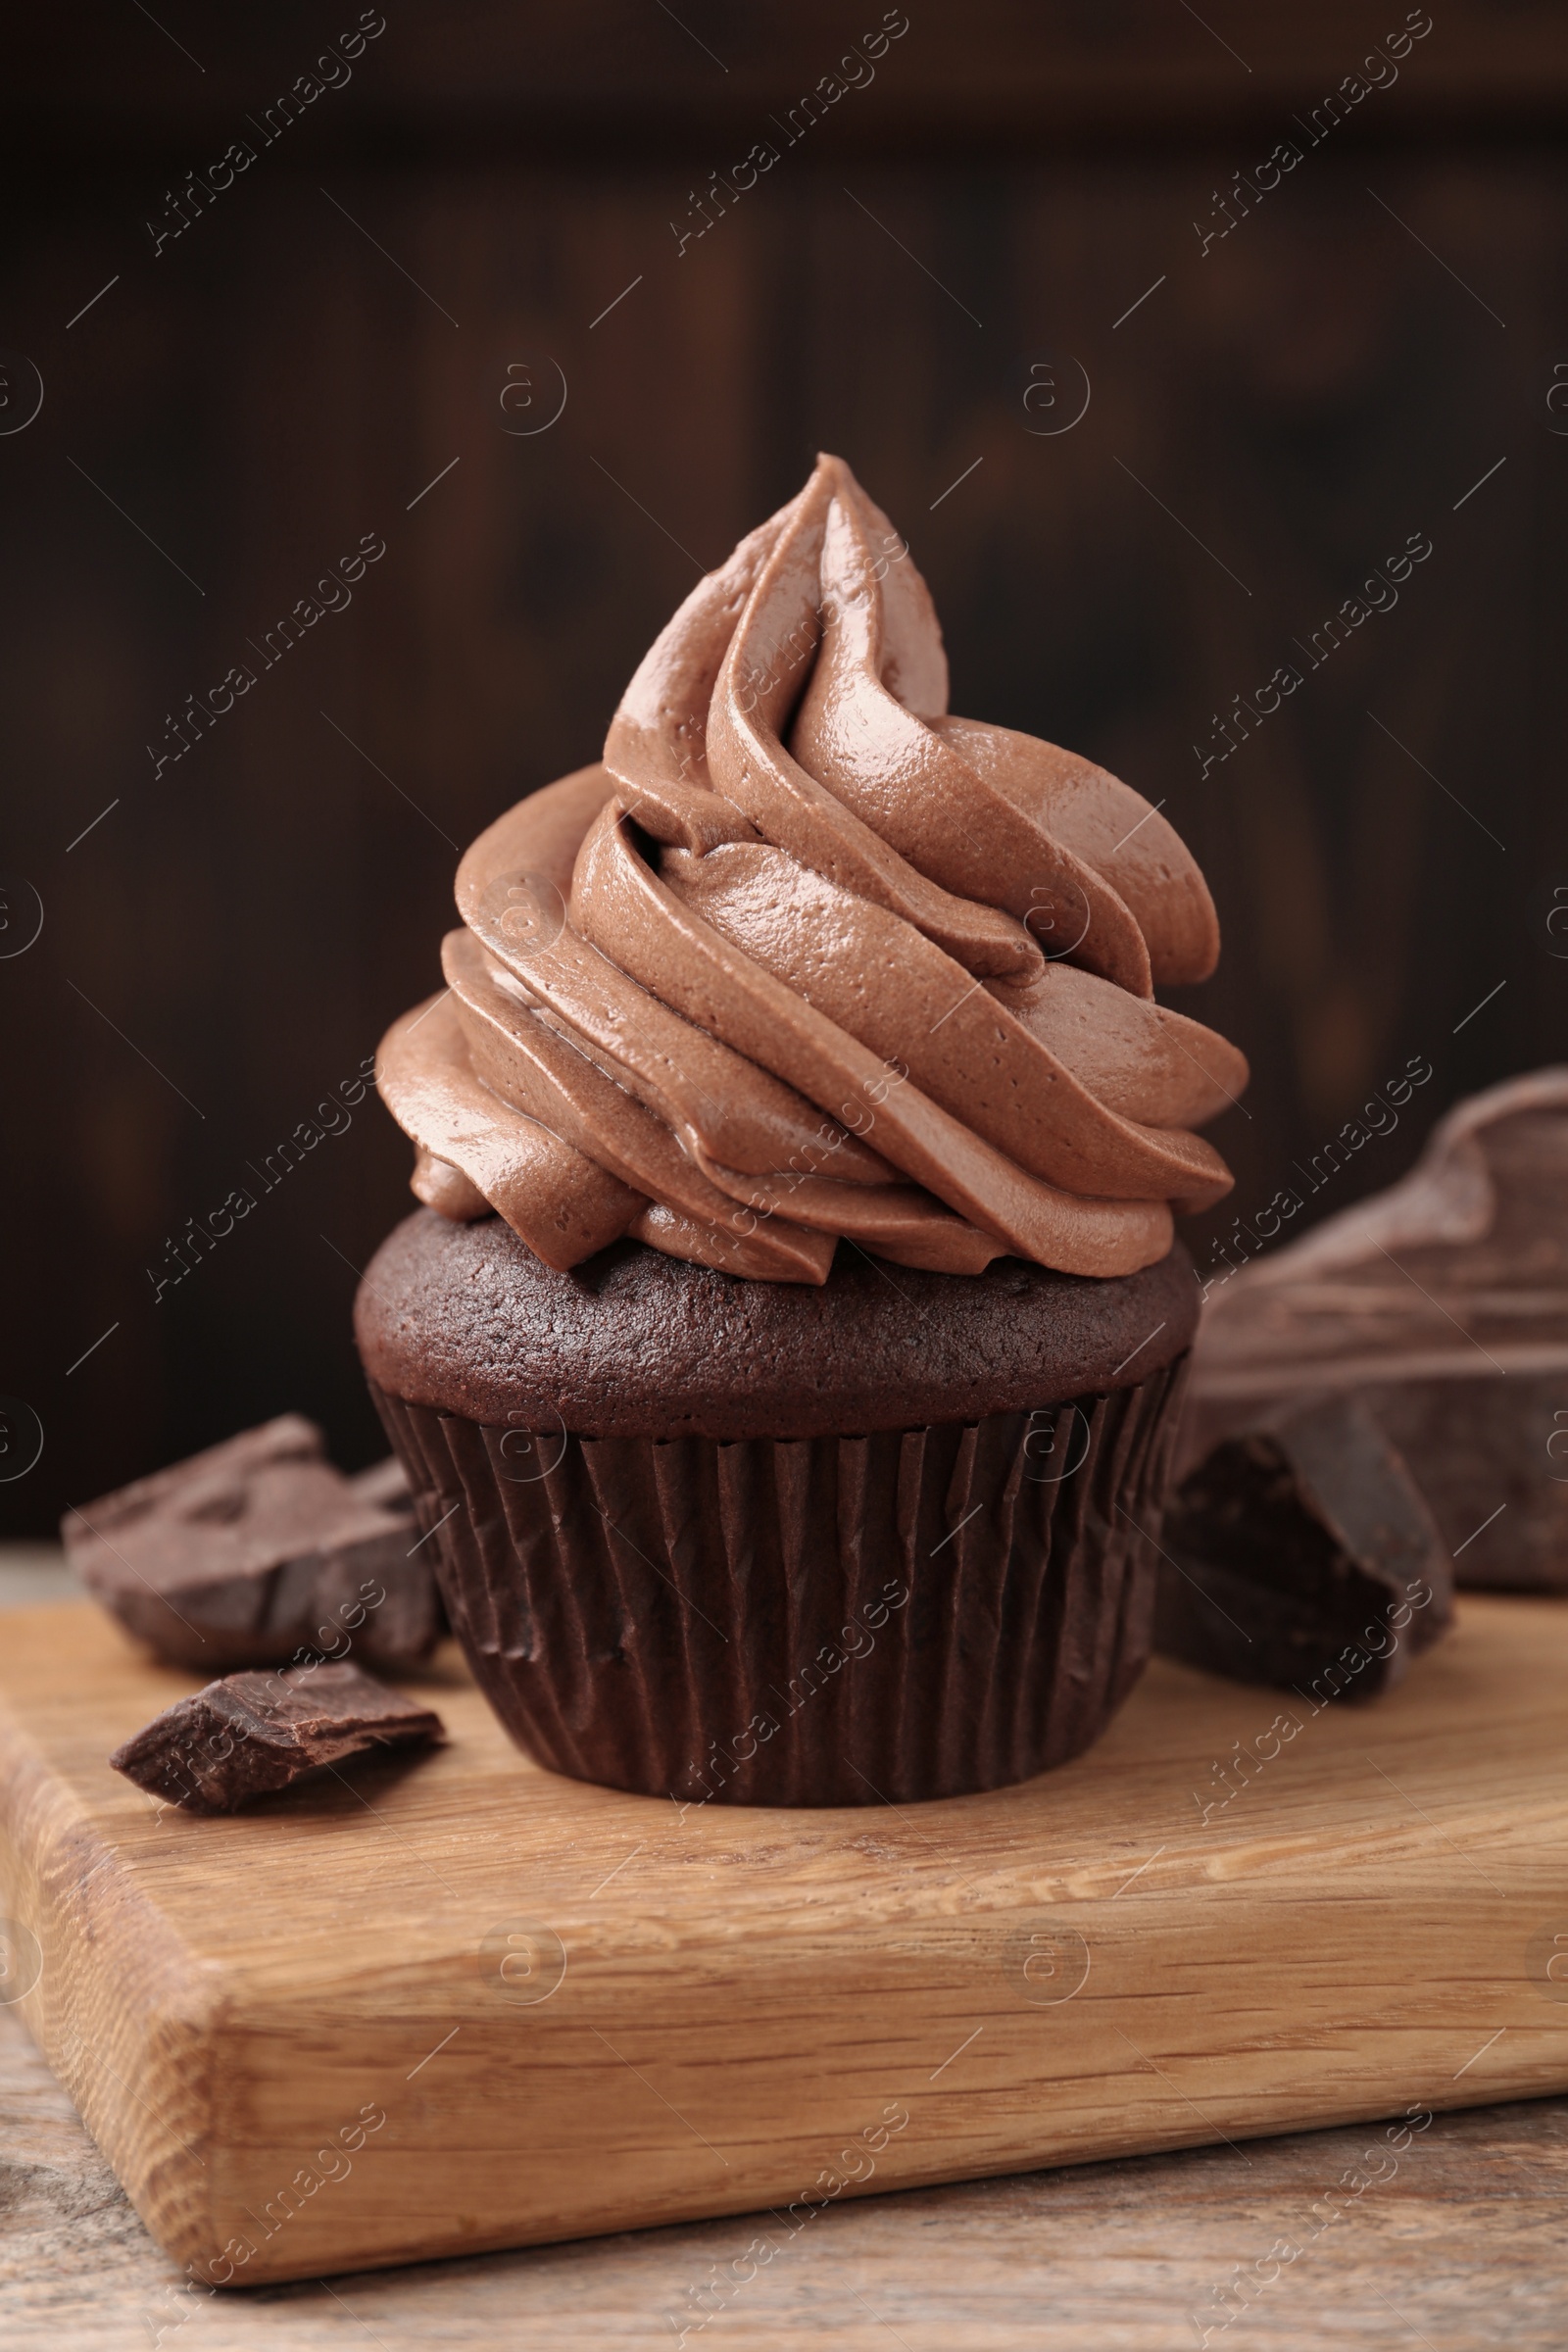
(805, 958)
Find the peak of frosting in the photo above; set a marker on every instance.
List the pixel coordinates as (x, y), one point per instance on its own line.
(807, 958)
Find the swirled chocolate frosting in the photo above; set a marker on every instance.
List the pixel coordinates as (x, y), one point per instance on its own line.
(805, 959)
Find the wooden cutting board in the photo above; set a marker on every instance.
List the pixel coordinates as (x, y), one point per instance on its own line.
(428, 2007)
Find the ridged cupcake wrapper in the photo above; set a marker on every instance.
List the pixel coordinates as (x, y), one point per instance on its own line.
(828, 1621)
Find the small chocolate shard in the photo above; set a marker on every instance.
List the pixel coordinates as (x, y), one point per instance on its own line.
(251, 1734)
(1302, 1553)
(386, 1482)
(1441, 1304)
(257, 1551)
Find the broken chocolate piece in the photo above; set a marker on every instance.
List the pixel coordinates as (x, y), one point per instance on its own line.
(386, 1482)
(251, 1734)
(257, 1551)
(1300, 1553)
(1442, 1305)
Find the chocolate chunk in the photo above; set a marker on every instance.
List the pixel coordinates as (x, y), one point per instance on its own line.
(250, 1733)
(257, 1551)
(1441, 1304)
(1300, 1553)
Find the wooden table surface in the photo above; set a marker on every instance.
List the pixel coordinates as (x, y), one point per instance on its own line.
(1464, 2244)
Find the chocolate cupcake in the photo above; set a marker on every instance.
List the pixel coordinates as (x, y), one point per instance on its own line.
(788, 1358)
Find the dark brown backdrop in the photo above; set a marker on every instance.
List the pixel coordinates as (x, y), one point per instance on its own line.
(221, 950)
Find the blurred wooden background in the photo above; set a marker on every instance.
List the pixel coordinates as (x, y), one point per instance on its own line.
(220, 950)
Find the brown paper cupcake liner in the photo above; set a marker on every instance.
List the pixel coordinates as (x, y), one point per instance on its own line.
(825, 1621)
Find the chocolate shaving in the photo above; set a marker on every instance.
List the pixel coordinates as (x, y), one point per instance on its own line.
(251, 1734)
(259, 1551)
(1299, 1552)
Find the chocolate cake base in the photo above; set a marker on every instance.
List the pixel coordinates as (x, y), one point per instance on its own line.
(754, 1543)
(635, 1344)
